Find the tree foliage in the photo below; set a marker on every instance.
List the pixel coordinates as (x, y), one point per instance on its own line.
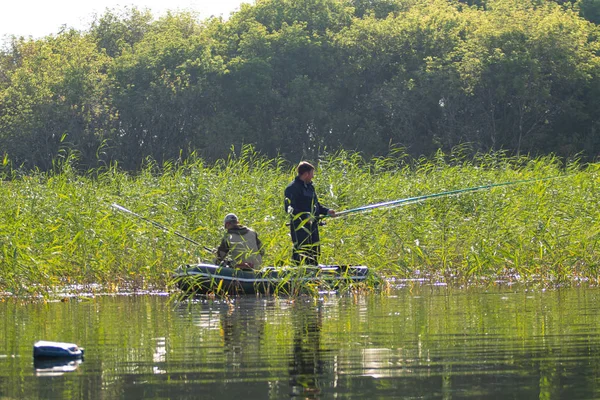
(295, 78)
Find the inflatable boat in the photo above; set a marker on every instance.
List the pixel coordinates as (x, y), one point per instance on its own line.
(222, 280)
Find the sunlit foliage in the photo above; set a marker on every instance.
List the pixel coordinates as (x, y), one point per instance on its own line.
(58, 228)
(295, 77)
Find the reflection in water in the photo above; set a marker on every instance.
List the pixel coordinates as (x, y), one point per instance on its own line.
(242, 330)
(159, 355)
(307, 364)
(492, 343)
(383, 363)
(55, 366)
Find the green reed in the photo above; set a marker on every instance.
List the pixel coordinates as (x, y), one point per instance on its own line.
(58, 228)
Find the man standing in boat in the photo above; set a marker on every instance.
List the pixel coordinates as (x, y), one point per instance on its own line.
(240, 244)
(303, 206)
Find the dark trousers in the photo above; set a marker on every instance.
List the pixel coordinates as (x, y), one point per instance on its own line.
(306, 248)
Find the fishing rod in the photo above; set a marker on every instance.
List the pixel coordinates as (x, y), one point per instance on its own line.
(411, 200)
(156, 224)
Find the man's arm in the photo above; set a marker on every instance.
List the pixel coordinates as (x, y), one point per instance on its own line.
(289, 199)
(261, 249)
(322, 210)
(222, 250)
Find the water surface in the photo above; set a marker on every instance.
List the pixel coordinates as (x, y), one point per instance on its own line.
(424, 342)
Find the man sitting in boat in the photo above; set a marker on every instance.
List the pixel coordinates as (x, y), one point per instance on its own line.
(240, 247)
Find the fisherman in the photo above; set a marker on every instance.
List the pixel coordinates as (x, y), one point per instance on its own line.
(304, 209)
(240, 247)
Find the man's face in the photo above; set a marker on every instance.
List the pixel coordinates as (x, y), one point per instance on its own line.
(309, 176)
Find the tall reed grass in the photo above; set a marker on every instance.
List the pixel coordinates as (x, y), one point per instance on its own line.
(58, 228)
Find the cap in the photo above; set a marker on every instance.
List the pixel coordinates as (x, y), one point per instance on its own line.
(230, 218)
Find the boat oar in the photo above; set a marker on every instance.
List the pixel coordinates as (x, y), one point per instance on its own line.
(156, 224)
(411, 200)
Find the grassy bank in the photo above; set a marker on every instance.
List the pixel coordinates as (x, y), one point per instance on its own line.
(59, 228)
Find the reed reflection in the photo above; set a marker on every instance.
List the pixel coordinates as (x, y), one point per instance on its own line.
(309, 362)
(243, 331)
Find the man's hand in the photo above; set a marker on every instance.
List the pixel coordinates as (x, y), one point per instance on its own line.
(331, 213)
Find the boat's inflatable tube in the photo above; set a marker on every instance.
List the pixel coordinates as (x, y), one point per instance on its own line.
(46, 349)
(209, 278)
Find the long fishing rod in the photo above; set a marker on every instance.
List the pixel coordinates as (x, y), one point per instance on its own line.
(411, 200)
(156, 224)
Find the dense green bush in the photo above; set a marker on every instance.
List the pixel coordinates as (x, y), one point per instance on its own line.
(295, 77)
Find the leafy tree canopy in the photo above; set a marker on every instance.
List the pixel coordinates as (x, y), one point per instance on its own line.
(297, 78)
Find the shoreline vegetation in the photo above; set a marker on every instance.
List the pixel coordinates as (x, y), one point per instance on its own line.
(58, 229)
(292, 77)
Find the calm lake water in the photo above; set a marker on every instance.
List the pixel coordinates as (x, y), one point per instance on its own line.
(419, 342)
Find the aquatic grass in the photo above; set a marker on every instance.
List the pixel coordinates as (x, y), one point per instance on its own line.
(58, 229)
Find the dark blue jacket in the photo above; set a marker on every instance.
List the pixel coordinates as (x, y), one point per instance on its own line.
(303, 199)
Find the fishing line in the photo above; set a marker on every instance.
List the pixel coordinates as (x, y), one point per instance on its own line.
(156, 224)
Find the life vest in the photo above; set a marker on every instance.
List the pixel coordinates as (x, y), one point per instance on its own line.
(243, 248)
